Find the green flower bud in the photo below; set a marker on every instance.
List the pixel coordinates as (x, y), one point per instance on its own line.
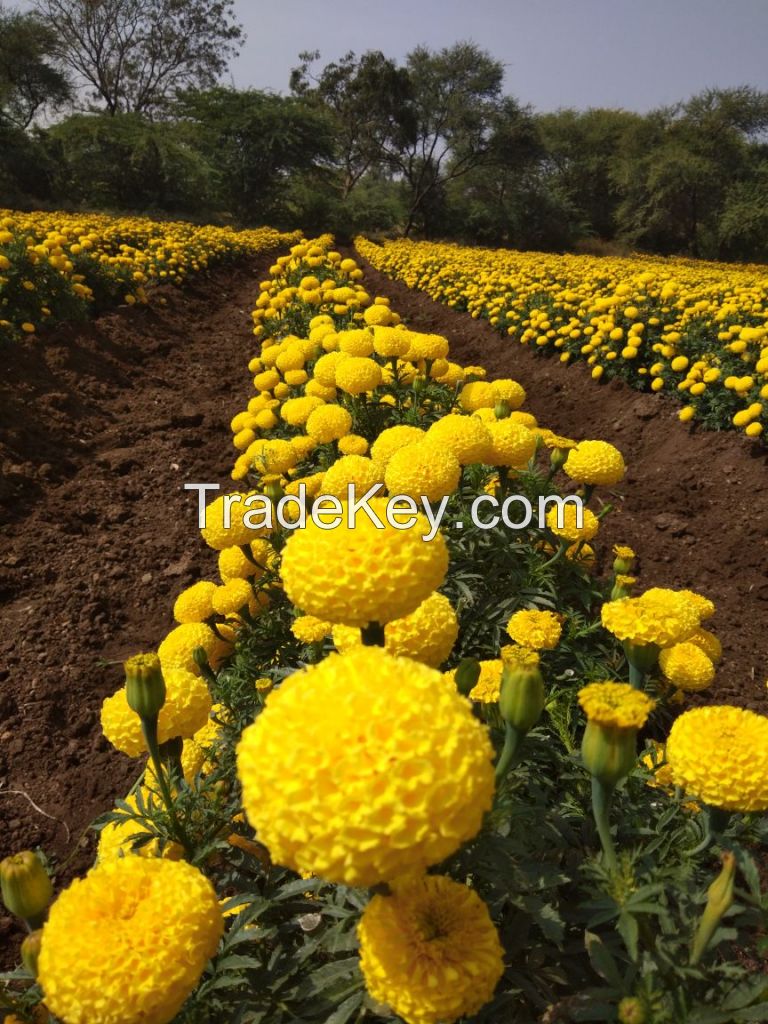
(419, 384)
(501, 410)
(26, 888)
(30, 951)
(466, 675)
(719, 899)
(521, 701)
(623, 563)
(622, 587)
(144, 685)
(609, 754)
(557, 458)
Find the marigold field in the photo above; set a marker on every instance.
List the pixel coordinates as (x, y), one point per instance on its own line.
(390, 772)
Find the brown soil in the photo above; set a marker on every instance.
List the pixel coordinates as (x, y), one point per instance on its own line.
(694, 504)
(100, 426)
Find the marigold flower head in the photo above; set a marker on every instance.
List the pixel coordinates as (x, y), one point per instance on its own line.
(659, 616)
(363, 574)
(308, 629)
(268, 457)
(478, 394)
(509, 391)
(393, 439)
(465, 437)
(615, 705)
(704, 607)
(235, 564)
(719, 755)
(512, 444)
(595, 462)
(687, 666)
(194, 603)
(127, 944)
(430, 950)
(328, 423)
(296, 411)
(357, 470)
(219, 536)
(356, 342)
(426, 346)
(539, 630)
(353, 444)
(357, 375)
(178, 648)
(364, 767)
(390, 343)
(570, 530)
(424, 469)
(325, 368)
(708, 643)
(488, 686)
(186, 708)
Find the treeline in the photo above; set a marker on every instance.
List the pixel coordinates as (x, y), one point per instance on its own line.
(116, 104)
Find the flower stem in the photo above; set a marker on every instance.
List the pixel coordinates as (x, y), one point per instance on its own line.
(636, 677)
(602, 796)
(149, 729)
(513, 740)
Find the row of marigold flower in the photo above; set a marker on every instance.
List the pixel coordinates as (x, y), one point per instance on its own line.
(694, 330)
(369, 766)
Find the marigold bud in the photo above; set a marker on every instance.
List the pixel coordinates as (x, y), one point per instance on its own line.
(719, 900)
(144, 685)
(631, 1011)
(466, 675)
(521, 700)
(30, 951)
(501, 410)
(26, 888)
(609, 753)
(558, 458)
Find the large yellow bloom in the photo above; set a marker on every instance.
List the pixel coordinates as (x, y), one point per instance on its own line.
(659, 616)
(364, 767)
(539, 630)
(362, 574)
(595, 462)
(719, 755)
(128, 943)
(615, 705)
(430, 950)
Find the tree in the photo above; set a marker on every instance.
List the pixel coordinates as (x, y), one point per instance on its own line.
(456, 94)
(30, 79)
(256, 141)
(135, 55)
(369, 101)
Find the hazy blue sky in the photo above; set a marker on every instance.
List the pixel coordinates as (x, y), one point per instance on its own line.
(631, 53)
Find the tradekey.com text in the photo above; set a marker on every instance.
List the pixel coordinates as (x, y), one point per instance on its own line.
(328, 512)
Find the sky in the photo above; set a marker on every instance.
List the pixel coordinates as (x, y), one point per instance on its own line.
(637, 54)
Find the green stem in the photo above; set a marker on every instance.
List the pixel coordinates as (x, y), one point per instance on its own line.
(602, 796)
(513, 740)
(149, 729)
(563, 547)
(636, 677)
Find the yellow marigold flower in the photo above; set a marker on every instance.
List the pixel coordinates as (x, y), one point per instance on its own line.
(552, 440)
(426, 635)
(570, 529)
(478, 394)
(324, 370)
(659, 616)
(390, 343)
(703, 605)
(179, 645)
(353, 444)
(363, 574)
(116, 838)
(357, 375)
(509, 391)
(719, 755)
(296, 411)
(267, 457)
(329, 423)
(687, 666)
(708, 643)
(595, 462)
(393, 439)
(231, 596)
(308, 629)
(488, 686)
(624, 552)
(430, 950)
(615, 705)
(465, 437)
(234, 564)
(539, 630)
(357, 470)
(186, 709)
(364, 767)
(194, 603)
(356, 342)
(216, 534)
(426, 469)
(378, 316)
(127, 944)
(426, 346)
(512, 444)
